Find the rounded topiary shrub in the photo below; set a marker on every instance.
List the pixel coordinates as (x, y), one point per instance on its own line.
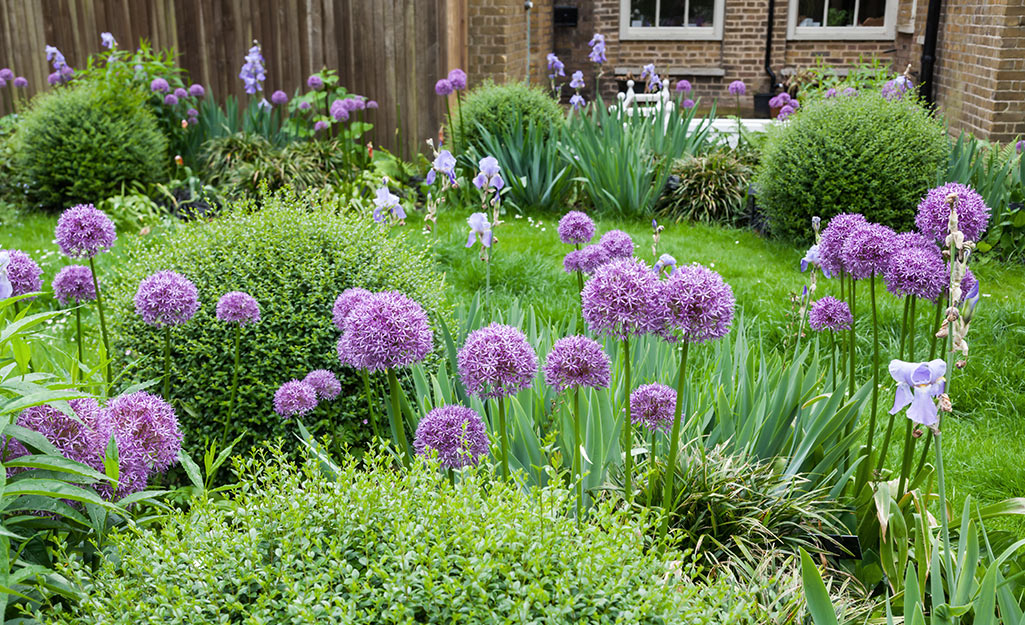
(497, 107)
(82, 144)
(294, 255)
(861, 154)
(378, 546)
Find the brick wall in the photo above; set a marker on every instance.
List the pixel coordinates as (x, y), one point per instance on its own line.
(497, 35)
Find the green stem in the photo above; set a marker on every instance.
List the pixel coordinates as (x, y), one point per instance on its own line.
(832, 358)
(167, 364)
(234, 384)
(935, 328)
(398, 423)
(945, 524)
(627, 438)
(504, 438)
(462, 124)
(577, 462)
(674, 439)
(78, 331)
(875, 378)
(904, 325)
(908, 457)
(851, 348)
(448, 130)
(103, 323)
(370, 403)
(911, 331)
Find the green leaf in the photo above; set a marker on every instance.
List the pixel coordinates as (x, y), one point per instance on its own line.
(819, 604)
(192, 470)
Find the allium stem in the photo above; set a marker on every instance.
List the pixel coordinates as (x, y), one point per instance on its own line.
(875, 380)
(397, 422)
(448, 131)
(234, 384)
(577, 463)
(370, 403)
(627, 439)
(167, 363)
(935, 328)
(904, 326)
(462, 124)
(504, 438)
(674, 440)
(103, 322)
(851, 355)
(78, 331)
(832, 357)
(909, 456)
(912, 323)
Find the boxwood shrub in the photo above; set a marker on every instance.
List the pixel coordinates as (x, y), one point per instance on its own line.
(377, 545)
(497, 107)
(861, 154)
(294, 254)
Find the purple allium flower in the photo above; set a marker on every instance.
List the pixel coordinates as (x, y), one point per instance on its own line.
(344, 304)
(339, 110)
(314, 82)
(737, 88)
(304, 106)
(829, 313)
(359, 103)
(665, 263)
(457, 78)
(916, 271)
(795, 103)
(53, 78)
(252, 73)
(555, 66)
(916, 240)
(624, 298)
(83, 231)
(444, 163)
(700, 304)
(325, 383)
(193, 113)
(577, 80)
(868, 249)
(934, 212)
(166, 298)
(968, 283)
(597, 44)
(6, 74)
(836, 232)
(193, 120)
(279, 97)
(75, 439)
(687, 103)
(74, 283)
(586, 259)
(148, 438)
(238, 307)
(831, 93)
(480, 230)
(385, 331)
(181, 93)
(170, 99)
(387, 202)
(55, 57)
(577, 361)
(496, 361)
(683, 86)
(295, 398)
(107, 40)
(456, 433)
(653, 406)
(850, 92)
(573, 261)
(196, 90)
(917, 384)
(159, 85)
(23, 274)
(443, 87)
(617, 243)
(577, 101)
(372, 104)
(779, 100)
(576, 227)
(785, 113)
(22, 82)
(321, 125)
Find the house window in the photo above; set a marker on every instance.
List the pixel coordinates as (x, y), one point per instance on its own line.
(671, 19)
(842, 19)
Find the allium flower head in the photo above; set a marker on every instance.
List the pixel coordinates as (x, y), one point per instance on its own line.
(159, 85)
(142, 423)
(314, 82)
(166, 298)
(850, 92)
(305, 106)
(344, 304)
(456, 433)
(687, 103)
(238, 307)
(170, 99)
(279, 97)
(252, 73)
(586, 259)
(83, 231)
(74, 284)
(457, 78)
(196, 90)
(22, 82)
(53, 78)
(192, 113)
(443, 87)
(372, 104)
(624, 298)
(737, 88)
(385, 331)
(577, 361)
(917, 240)
(934, 212)
(6, 74)
(496, 361)
(785, 112)
(653, 406)
(618, 244)
(324, 382)
(868, 249)
(831, 93)
(829, 313)
(181, 93)
(779, 100)
(320, 125)
(700, 304)
(576, 227)
(23, 274)
(683, 86)
(76, 439)
(916, 271)
(835, 234)
(295, 398)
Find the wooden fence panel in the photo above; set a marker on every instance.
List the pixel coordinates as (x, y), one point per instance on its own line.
(391, 51)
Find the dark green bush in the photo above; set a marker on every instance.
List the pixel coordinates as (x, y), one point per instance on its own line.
(294, 255)
(860, 154)
(498, 107)
(380, 546)
(81, 144)
(708, 187)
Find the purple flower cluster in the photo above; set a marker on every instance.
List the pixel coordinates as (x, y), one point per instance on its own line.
(324, 382)
(253, 73)
(279, 98)
(170, 99)
(576, 227)
(166, 298)
(496, 360)
(23, 274)
(489, 176)
(340, 110)
(624, 298)
(196, 90)
(653, 406)
(295, 398)
(238, 307)
(597, 53)
(829, 313)
(74, 283)
(83, 231)
(577, 361)
(835, 234)
(387, 204)
(314, 82)
(145, 428)
(867, 250)
(586, 259)
(555, 66)
(917, 271)
(934, 212)
(683, 86)
(456, 433)
(457, 78)
(618, 244)
(444, 87)
(444, 163)
(384, 331)
(75, 439)
(737, 88)
(159, 85)
(344, 304)
(700, 304)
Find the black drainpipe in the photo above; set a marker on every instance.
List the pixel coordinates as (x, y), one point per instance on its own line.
(773, 83)
(932, 29)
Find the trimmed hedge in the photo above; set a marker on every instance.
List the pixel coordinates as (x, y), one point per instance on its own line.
(497, 107)
(861, 154)
(378, 545)
(294, 254)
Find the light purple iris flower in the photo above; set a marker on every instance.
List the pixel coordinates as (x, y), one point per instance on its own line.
(6, 289)
(444, 163)
(597, 44)
(480, 229)
(488, 175)
(665, 263)
(108, 40)
(811, 257)
(917, 384)
(555, 66)
(577, 80)
(387, 201)
(577, 101)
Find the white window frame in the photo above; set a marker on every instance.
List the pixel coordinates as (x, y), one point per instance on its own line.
(671, 33)
(843, 33)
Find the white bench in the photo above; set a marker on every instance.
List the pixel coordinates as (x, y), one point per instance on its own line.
(645, 104)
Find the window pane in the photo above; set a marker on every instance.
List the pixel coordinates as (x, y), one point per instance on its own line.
(841, 13)
(809, 12)
(872, 13)
(702, 13)
(673, 13)
(642, 12)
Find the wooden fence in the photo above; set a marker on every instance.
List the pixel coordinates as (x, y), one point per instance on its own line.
(391, 51)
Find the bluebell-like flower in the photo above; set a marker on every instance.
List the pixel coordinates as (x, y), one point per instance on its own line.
(489, 175)
(386, 201)
(480, 229)
(917, 384)
(253, 73)
(444, 163)
(665, 263)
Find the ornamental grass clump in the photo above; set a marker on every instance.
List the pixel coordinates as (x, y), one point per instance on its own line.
(239, 309)
(455, 433)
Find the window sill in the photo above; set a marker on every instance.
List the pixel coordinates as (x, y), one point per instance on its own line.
(690, 33)
(841, 33)
(675, 71)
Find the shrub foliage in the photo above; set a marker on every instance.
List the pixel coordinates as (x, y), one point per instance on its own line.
(498, 107)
